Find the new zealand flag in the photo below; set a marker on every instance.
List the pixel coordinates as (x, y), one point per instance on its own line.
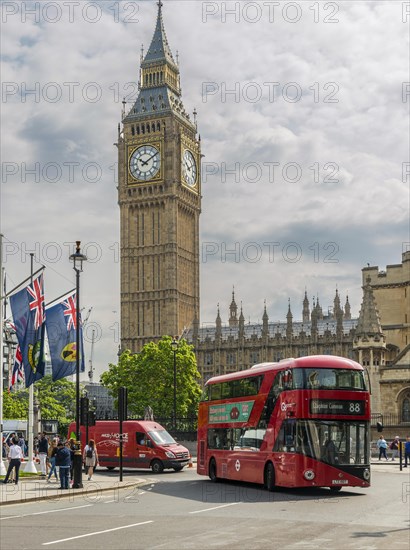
(28, 311)
(62, 335)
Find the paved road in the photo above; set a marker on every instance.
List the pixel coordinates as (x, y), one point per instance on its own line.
(183, 510)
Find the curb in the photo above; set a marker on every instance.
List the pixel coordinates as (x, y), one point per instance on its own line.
(72, 493)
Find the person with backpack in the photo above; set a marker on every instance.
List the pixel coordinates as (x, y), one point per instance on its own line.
(90, 457)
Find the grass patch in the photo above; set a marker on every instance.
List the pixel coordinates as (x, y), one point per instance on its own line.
(23, 474)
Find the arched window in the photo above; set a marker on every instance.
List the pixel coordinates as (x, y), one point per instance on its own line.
(405, 408)
(158, 127)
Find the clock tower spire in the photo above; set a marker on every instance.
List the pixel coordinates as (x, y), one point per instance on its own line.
(159, 195)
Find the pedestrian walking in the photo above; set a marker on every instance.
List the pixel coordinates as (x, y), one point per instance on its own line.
(52, 457)
(63, 461)
(382, 446)
(42, 453)
(15, 456)
(394, 446)
(407, 451)
(90, 458)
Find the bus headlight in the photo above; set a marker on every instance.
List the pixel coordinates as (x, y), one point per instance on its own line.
(309, 475)
(169, 454)
(366, 474)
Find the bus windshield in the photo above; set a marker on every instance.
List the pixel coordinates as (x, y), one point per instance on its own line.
(331, 441)
(162, 437)
(328, 379)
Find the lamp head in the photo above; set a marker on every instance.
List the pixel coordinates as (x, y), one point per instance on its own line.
(174, 344)
(78, 258)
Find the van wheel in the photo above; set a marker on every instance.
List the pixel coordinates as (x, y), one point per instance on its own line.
(157, 467)
(110, 468)
(212, 471)
(269, 477)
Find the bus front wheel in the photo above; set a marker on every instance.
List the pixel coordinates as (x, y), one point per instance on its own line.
(212, 471)
(335, 489)
(270, 477)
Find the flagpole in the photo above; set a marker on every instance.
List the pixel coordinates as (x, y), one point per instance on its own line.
(30, 465)
(3, 469)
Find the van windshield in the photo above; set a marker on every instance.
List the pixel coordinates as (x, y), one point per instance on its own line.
(161, 437)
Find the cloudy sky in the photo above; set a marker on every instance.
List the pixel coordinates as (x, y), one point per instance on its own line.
(303, 115)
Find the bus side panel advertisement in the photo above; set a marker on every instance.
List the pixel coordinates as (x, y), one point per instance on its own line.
(230, 412)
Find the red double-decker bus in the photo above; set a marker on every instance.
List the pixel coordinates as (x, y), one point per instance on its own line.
(298, 423)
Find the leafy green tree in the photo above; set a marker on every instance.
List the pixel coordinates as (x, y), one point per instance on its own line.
(15, 405)
(149, 377)
(56, 400)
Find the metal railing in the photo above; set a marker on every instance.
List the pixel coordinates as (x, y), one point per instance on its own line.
(389, 419)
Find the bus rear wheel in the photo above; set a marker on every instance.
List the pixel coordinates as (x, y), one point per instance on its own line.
(157, 467)
(335, 489)
(212, 471)
(110, 468)
(270, 477)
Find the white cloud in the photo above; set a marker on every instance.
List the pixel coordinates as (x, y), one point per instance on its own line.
(361, 61)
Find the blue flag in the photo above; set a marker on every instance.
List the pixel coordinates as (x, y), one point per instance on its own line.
(61, 325)
(28, 311)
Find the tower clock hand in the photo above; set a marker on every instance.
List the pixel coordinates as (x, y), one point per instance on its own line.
(145, 162)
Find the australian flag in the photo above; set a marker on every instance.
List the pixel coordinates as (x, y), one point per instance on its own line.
(62, 336)
(29, 316)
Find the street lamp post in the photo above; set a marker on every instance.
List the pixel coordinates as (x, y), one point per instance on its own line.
(174, 347)
(77, 258)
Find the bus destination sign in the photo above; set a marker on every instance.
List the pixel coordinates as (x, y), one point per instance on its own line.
(230, 412)
(333, 406)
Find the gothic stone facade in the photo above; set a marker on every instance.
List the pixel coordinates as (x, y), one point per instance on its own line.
(378, 338)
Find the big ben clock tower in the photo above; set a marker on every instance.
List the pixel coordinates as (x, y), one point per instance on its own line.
(160, 202)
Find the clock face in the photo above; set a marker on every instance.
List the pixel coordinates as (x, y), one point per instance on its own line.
(189, 169)
(145, 162)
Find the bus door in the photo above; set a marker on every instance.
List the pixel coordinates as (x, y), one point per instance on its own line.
(285, 457)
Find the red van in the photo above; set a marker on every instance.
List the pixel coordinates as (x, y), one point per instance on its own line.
(145, 445)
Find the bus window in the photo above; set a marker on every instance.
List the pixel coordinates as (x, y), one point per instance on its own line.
(215, 392)
(226, 390)
(219, 438)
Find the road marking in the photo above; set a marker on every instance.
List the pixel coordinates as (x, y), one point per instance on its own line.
(48, 512)
(98, 532)
(109, 501)
(214, 508)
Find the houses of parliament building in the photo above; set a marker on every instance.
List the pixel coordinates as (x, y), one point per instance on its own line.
(159, 196)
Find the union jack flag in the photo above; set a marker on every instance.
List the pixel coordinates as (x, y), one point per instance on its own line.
(27, 307)
(71, 312)
(37, 303)
(18, 371)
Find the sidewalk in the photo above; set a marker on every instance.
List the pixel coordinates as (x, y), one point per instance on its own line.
(37, 488)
